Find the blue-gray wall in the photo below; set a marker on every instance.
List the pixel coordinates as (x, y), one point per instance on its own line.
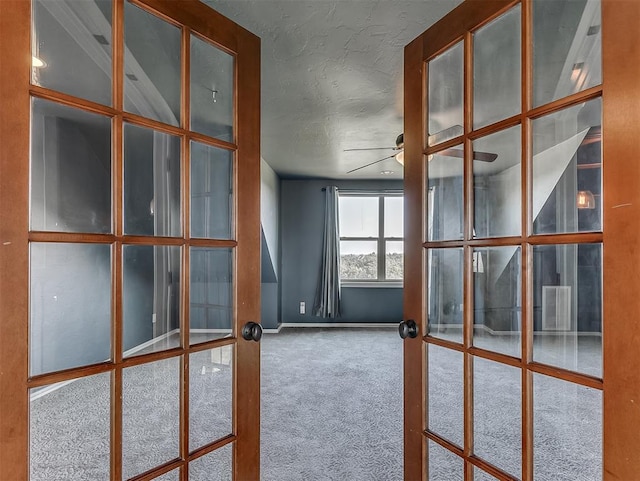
(269, 250)
(301, 226)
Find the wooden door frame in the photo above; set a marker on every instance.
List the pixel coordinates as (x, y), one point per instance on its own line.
(15, 91)
(621, 242)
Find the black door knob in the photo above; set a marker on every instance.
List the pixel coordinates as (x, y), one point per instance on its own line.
(408, 329)
(252, 331)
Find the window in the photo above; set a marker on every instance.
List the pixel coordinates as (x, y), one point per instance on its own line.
(371, 237)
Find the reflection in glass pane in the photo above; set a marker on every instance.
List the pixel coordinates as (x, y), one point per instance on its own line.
(567, 170)
(151, 298)
(359, 216)
(70, 169)
(212, 95)
(210, 396)
(211, 305)
(70, 430)
(150, 415)
(394, 252)
(358, 260)
(446, 393)
(496, 184)
(444, 293)
(73, 47)
(566, 416)
(215, 466)
(496, 69)
(445, 199)
(497, 309)
(567, 48)
(394, 216)
(497, 426)
(70, 306)
(445, 95)
(151, 66)
(444, 465)
(170, 476)
(151, 182)
(480, 475)
(567, 309)
(211, 192)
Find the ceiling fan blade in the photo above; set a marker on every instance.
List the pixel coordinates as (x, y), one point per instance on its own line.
(448, 133)
(372, 148)
(367, 165)
(481, 156)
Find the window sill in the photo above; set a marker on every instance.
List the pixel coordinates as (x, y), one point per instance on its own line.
(373, 284)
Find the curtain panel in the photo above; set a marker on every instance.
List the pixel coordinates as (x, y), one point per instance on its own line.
(327, 301)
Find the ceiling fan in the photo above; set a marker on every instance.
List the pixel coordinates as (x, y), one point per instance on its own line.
(451, 152)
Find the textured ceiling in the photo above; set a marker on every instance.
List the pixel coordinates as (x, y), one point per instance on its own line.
(332, 79)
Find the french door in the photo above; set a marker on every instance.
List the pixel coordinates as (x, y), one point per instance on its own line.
(129, 192)
(522, 190)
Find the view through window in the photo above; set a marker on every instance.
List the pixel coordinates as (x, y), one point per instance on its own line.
(371, 236)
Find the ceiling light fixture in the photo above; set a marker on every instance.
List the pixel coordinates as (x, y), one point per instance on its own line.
(585, 200)
(37, 62)
(387, 172)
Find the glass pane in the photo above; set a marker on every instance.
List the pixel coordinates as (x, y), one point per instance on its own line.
(150, 415)
(444, 293)
(393, 216)
(212, 96)
(70, 169)
(567, 48)
(446, 89)
(394, 260)
(70, 430)
(151, 66)
(496, 69)
(567, 170)
(446, 393)
(150, 299)
(70, 306)
(444, 465)
(211, 305)
(358, 260)
(210, 395)
(497, 426)
(211, 192)
(566, 417)
(567, 309)
(71, 47)
(480, 475)
(215, 466)
(497, 309)
(445, 199)
(170, 476)
(359, 216)
(496, 184)
(151, 182)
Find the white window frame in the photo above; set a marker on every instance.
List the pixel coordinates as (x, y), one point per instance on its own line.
(381, 239)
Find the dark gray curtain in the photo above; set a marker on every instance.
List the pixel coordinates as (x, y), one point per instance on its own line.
(327, 302)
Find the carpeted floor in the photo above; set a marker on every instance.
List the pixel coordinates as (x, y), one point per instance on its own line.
(332, 405)
(331, 410)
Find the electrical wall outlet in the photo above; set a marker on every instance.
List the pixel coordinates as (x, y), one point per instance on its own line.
(303, 307)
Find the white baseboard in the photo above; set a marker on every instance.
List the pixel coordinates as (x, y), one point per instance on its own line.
(275, 330)
(149, 343)
(488, 330)
(49, 389)
(339, 324)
